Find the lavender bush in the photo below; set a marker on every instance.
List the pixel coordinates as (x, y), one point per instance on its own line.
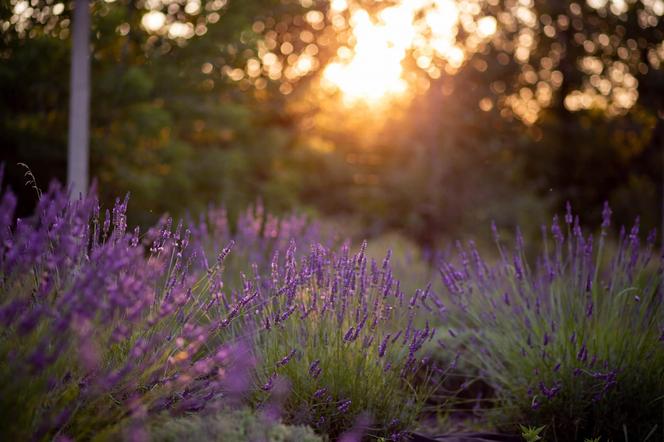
(574, 340)
(339, 347)
(105, 332)
(257, 235)
(99, 326)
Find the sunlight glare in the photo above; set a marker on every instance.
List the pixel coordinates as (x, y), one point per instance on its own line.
(375, 67)
(338, 5)
(372, 70)
(153, 21)
(486, 26)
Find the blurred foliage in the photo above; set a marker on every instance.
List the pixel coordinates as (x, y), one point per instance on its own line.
(171, 125)
(158, 129)
(231, 426)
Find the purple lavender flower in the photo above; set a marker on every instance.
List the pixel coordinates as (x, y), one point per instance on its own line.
(606, 217)
(349, 334)
(383, 346)
(286, 359)
(320, 392)
(314, 368)
(269, 383)
(582, 355)
(568, 214)
(556, 231)
(344, 406)
(549, 393)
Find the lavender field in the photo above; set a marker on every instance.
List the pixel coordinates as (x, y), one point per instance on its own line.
(274, 331)
(331, 220)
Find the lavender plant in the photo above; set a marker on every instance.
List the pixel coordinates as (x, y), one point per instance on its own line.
(573, 340)
(338, 343)
(97, 327)
(101, 330)
(257, 234)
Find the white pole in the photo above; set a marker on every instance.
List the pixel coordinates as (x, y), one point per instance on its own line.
(79, 101)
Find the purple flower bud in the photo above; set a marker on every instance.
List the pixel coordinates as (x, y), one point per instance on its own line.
(386, 261)
(349, 334)
(286, 359)
(582, 355)
(606, 216)
(344, 406)
(652, 236)
(549, 393)
(518, 267)
(320, 392)
(224, 253)
(269, 384)
(568, 215)
(314, 367)
(556, 232)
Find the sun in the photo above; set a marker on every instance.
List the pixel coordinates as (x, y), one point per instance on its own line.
(372, 70)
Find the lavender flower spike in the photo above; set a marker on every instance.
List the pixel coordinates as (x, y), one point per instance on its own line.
(286, 359)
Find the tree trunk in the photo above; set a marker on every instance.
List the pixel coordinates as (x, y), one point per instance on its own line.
(79, 101)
